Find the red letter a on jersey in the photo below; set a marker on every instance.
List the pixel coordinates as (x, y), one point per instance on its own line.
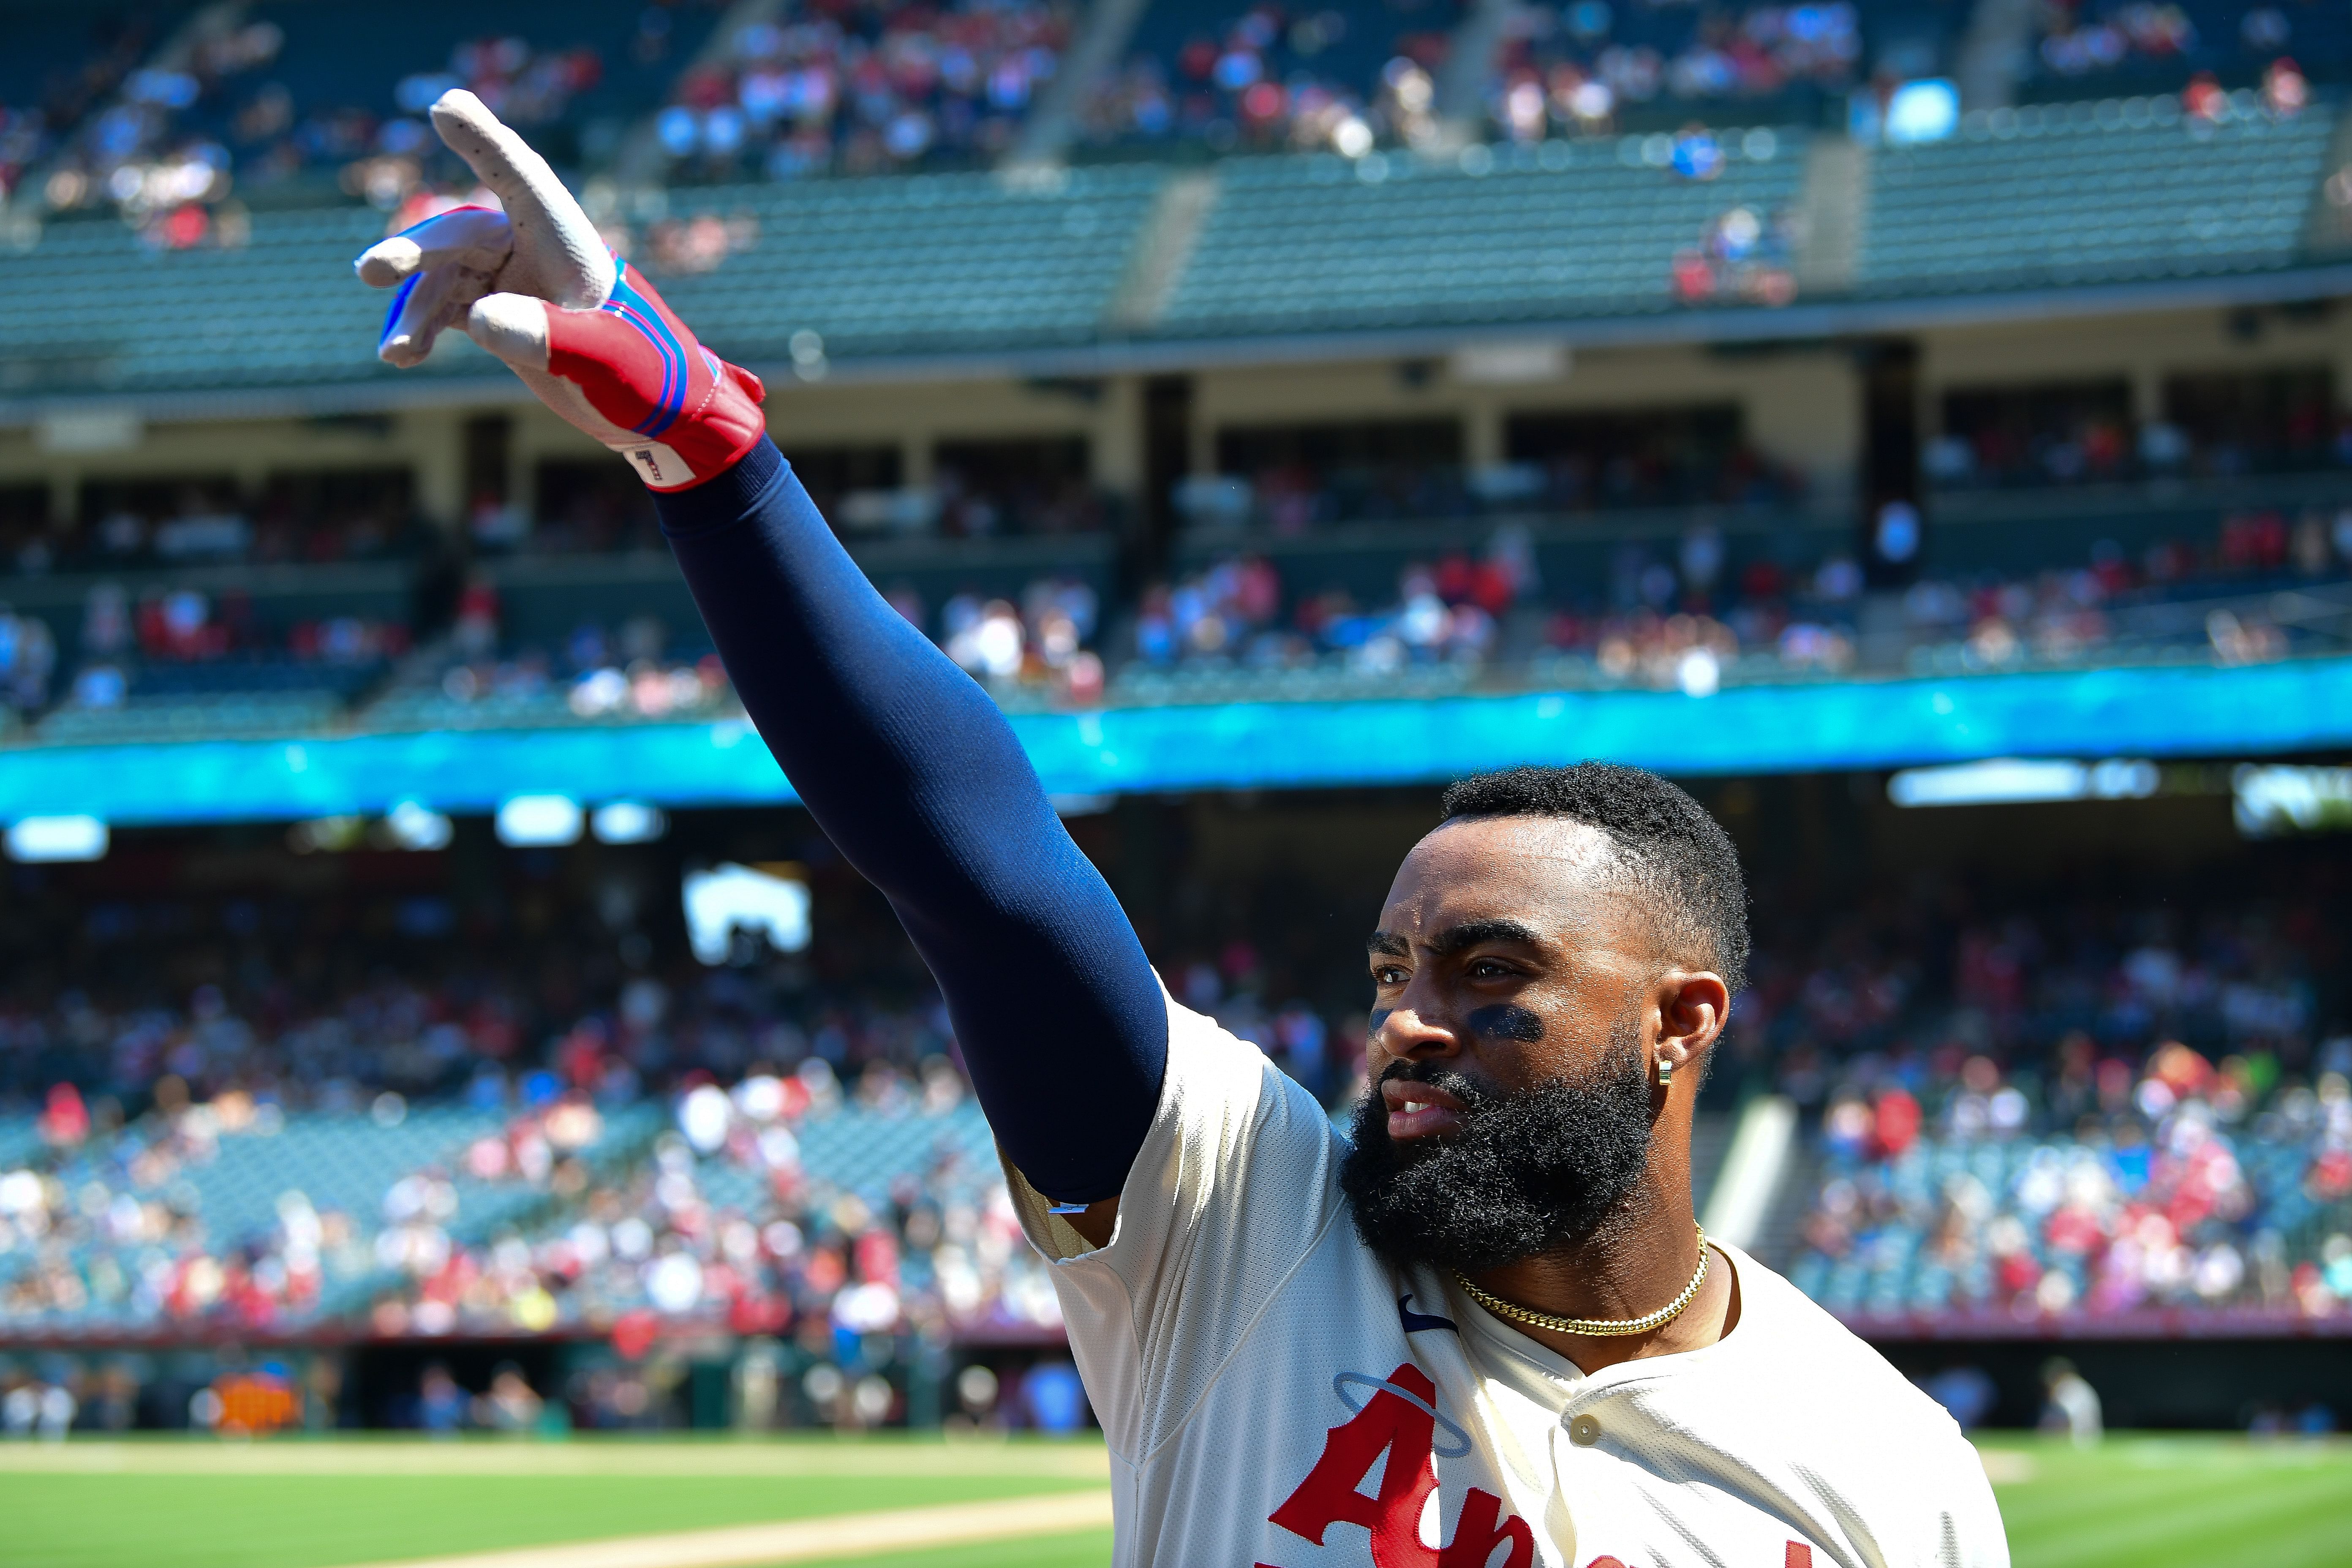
(1480, 1531)
(1329, 1495)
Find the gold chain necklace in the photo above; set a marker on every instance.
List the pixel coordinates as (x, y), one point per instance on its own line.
(1597, 1327)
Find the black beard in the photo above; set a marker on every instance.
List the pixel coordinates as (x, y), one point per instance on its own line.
(1527, 1173)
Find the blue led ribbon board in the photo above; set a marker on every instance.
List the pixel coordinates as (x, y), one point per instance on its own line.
(2266, 709)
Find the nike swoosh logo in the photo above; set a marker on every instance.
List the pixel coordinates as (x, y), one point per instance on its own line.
(1416, 1321)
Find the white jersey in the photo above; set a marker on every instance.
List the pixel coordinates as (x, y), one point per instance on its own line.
(1277, 1395)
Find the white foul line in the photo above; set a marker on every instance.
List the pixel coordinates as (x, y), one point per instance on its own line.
(808, 1540)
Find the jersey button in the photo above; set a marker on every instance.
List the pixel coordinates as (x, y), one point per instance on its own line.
(1583, 1430)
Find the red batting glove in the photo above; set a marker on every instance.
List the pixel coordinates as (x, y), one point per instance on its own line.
(535, 286)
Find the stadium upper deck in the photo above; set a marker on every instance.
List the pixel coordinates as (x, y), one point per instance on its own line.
(1762, 233)
(2045, 394)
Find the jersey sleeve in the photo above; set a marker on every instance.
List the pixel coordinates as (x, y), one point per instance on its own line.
(919, 780)
(1236, 1181)
(1980, 1540)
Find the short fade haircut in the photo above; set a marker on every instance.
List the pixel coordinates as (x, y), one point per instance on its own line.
(1667, 846)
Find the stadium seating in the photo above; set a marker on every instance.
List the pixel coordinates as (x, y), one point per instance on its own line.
(870, 268)
(2025, 1227)
(864, 1151)
(1968, 1053)
(119, 317)
(748, 1220)
(1587, 228)
(1756, 597)
(521, 694)
(2013, 1133)
(20, 1136)
(895, 267)
(798, 276)
(243, 1214)
(2092, 192)
(141, 719)
(2018, 580)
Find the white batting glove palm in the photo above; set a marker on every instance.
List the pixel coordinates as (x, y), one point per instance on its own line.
(535, 286)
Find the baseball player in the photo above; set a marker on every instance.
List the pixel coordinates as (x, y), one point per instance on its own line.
(1483, 1332)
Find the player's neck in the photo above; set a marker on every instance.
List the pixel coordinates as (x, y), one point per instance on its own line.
(1636, 1263)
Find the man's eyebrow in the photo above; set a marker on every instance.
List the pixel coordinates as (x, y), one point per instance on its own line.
(1471, 934)
(1454, 939)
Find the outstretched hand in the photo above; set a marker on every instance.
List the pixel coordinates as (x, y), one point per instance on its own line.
(535, 285)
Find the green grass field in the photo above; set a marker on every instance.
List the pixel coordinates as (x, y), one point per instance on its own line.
(2137, 1502)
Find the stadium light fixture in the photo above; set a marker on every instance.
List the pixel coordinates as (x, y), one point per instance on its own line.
(2016, 781)
(2273, 800)
(538, 821)
(2004, 782)
(413, 826)
(1920, 112)
(728, 897)
(628, 822)
(37, 840)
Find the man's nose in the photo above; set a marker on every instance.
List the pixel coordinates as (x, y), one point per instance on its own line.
(1409, 1032)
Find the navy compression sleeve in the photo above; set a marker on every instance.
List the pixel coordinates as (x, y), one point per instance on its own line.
(918, 779)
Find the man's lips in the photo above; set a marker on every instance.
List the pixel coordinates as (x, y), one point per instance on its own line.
(1419, 1110)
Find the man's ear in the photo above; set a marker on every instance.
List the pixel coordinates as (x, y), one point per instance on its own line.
(1692, 1008)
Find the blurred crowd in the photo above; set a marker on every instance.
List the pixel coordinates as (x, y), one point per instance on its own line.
(2181, 1183)
(1920, 980)
(2088, 1106)
(1693, 617)
(1573, 68)
(166, 133)
(157, 1224)
(187, 644)
(1351, 78)
(852, 88)
(148, 150)
(181, 642)
(724, 1225)
(528, 1209)
(1742, 599)
(1233, 614)
(2079, 45)
(1298, 496)
(1692, 613)
(1345, 78)
(208, 524)
(2282, 425)
(2065, 1101)
(179, 137)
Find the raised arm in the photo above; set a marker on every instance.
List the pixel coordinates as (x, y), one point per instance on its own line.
(902, 760)
(917, 777)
